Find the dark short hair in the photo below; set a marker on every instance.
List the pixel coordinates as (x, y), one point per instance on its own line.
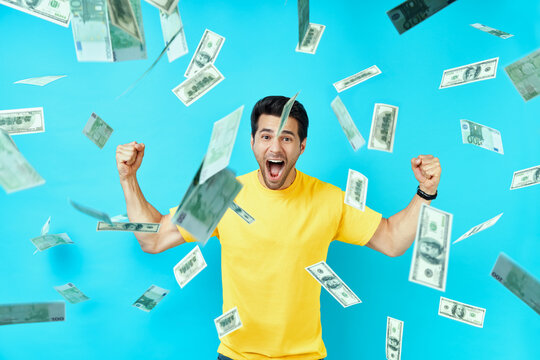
(273, 105)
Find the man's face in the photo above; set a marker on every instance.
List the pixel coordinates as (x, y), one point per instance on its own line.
(277, 155)
(429, 249)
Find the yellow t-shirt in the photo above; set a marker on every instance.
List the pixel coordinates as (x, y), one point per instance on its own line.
(263, 264)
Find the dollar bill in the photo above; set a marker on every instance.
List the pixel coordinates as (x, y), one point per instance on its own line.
(126, 46)
(32, 312)
(525, 75)
(482, 70)
(310, 42)
(206, 53)
(97, 130)
(483, 226)
(242, 213)
(122, 16)
(333, 284)
(303, 18)
(166, 6)
(45, 228)
(15, 172)
(412, 12)
(383, 128)
(128, 226)
(221, 144)
(357, 78)
(40, 81)
(394, 335)
(356, 192)
(228, 322)
(459, 311)
(150, 298)
(47, 241)
(347, 124)
(199, 84)
(91, 212)
(526, 177)
(189, 267)
(492, 31)
(429, 265)
(285, 113)
(22, 121)
(173, 34)
(482, 136)
(71, 293)
(518, 281)
(56, 11)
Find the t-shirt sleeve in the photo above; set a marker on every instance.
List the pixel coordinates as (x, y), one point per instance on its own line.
(185, 234)
(356, 226)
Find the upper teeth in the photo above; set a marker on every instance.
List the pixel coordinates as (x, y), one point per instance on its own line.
(275, 161)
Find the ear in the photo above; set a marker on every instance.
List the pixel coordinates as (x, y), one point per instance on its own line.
(303, 146)
(252, 141)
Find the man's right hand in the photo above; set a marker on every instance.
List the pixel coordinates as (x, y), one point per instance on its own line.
(129, 158)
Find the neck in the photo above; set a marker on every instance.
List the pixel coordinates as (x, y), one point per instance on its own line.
(288, 181)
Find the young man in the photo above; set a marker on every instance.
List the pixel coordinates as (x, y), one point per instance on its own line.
(296, 219)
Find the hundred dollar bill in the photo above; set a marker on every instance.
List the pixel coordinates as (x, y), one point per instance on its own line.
(482, 136)
(347, 124)
(122, 16)
(303, 18)
(357, 78)
(71, 293)
(526, 177)
(333, 284)
(459, 311)
(150, 298)
(356, 192)
(518, 281)
(128, 226)
(394, 335)
(482, 70)
(525, 75)
(285, 113)
(32, 312)
(206, 53)
(429, 265)
(492, 31)
(412, 12)
(173, 34)
(45, 228)
(97, 130)
(228, 322)
(383, 128)
(189, 267)
(478, 228)
(47, 241)
(221, 144)
(199, 84)
(91, 212)
(40, 81)
(56, 11)
(15, 172)
(311, 40)
(22, 121)
(242, 213)
(166, 6)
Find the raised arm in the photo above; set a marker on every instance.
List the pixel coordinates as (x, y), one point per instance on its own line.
(128, 160)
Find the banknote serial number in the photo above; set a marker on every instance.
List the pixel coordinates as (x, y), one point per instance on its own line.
(496, 276)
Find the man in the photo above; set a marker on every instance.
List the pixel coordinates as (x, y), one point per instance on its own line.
(296, 219)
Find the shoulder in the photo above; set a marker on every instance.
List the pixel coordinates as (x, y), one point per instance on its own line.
(247, 177)
(319, 185)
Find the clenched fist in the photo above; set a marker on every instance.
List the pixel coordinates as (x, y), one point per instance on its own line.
(427, 170)
(129, 158)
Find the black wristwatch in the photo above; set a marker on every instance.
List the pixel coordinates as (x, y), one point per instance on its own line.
(424, 195)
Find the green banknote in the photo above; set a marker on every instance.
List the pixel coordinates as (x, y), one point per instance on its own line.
(97, 130)
(150, 298)
(347, 124)
(71, 293)
(481, 136)
(56, 11)
(303, 19)
(412, 12)
(525, 75)
(100, 215)
(22, 121)
(285, 113)
(47, 241)
(32, 312)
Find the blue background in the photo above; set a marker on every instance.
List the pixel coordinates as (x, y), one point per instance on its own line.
(258, 59)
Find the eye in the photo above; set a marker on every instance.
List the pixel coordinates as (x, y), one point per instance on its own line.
(286, 138)
(265, 137)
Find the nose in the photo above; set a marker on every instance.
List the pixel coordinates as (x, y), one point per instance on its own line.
(275, 146)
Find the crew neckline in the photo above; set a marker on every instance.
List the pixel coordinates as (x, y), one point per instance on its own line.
(281, 192)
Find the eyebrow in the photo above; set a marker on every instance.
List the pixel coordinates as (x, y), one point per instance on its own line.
(282, 131)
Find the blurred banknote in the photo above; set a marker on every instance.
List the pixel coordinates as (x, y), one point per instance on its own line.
(333, 284)
(478, 228)
(15, 172)
(286, 112)
(32, 312)
(40, 81)
(526, 177)
(56, 11)
(482, 136)
(122, 16)
(120, 218)
(429, 265)
(412, 12)
(22, 121)
(97, 130)
(357, 78)
(356, 192)
(228, 322)
(518, 281)
(47, 241)
(45, 228)
(167, 6)
(91, 212)
(221, 144)
(459, 311)
(150, 298)
(492, 31)
(311, 40)
(482, 70)
(525, 75)
(173, 34)
(128, 226)
(303, 18)
(71, 293)
(383, 128)
(187, 268)
(394, 335)
(199, 84)
(206, 53)
(242, 213)
(347, 124)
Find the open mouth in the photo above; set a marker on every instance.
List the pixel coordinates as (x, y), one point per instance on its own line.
(275, 168)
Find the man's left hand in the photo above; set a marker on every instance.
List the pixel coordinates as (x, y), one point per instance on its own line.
(427, 170)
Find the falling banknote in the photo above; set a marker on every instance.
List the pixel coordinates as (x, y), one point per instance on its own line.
(459, 311)
(228, 322)
(347, 124)
(187, 268)
(303, 18)
(412, 12)
(383, 128)
(56, 11)
(206, 53)
(478, 228)
(22, 121)
(128, 226)
(429, 265)
(199, 84)
(526, 177)
(150, 298)
(394, 338)
(46, 240)
(71, 293)
(482, 70)
(311, 40)
(242, 213)
(285, 113)
(173, 34)
(492, 31)
(97, 130)
(91, 212)
(525, 75)
(357, 78)
(333, 284)
(482, 136)
(167, 6)
(40, 81)
(356, 192)
(32, 312)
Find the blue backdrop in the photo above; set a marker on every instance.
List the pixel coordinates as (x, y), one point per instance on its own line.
(258, 59)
